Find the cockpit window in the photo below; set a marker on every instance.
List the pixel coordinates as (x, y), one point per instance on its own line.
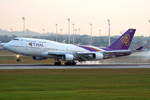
(15, 39)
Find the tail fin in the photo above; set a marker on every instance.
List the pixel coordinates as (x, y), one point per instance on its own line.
(123, 42)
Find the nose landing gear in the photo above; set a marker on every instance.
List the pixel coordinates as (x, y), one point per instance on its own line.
(18, 58)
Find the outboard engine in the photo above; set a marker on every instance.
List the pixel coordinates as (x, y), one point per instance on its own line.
(98, 56)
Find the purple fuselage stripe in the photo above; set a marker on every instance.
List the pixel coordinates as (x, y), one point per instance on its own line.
(89, 48)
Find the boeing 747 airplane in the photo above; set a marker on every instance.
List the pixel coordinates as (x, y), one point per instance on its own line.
(41, 49)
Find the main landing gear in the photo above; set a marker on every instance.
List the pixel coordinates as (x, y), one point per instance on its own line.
(18, 58)
(67, 63)
(57, 62)
(70, 63)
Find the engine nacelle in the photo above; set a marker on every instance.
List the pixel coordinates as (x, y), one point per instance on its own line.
(68, 57)
(98, 56)
(38, 58)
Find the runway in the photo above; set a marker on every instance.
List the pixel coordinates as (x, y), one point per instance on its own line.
(88, 66)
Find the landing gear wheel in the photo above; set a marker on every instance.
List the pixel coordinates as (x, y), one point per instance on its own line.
(70, 63)
(67, 63)
(18, 60)
(57, 63)
(74, 63)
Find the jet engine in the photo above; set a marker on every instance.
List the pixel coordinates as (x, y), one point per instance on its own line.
(98, 56)
(68, 57)
(38, 58)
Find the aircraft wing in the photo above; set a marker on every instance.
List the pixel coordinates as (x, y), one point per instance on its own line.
(79, 56)
(86, 56)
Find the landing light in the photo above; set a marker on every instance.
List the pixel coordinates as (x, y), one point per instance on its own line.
(17, 56)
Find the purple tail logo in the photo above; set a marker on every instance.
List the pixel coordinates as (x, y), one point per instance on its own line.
(125, 40)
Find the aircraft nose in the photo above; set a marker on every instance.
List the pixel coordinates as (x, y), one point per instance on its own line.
(6, 46)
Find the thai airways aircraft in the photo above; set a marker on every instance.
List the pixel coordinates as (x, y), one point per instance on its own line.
(41, 49)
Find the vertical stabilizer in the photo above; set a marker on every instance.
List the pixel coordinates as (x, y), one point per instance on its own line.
(124, 41)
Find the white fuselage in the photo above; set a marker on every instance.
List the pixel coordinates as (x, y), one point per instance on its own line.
(40, 47)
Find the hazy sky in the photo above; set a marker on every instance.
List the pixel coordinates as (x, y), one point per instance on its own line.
(44, 14)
